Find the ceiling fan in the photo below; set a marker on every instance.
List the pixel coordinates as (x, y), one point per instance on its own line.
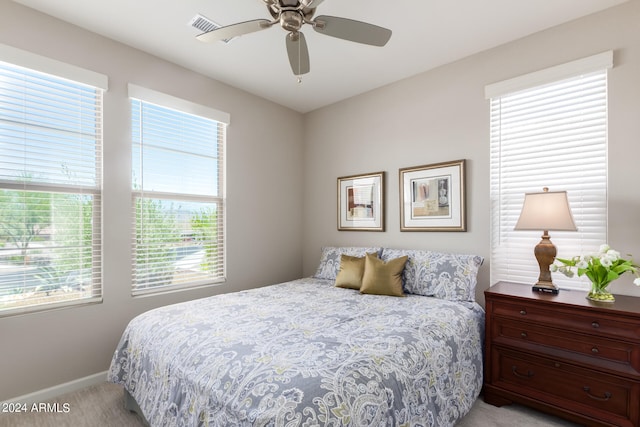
(292, 15)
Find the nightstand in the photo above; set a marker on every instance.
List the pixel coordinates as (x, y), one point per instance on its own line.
(563, 354)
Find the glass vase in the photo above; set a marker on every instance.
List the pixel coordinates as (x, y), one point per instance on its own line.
(600, 293)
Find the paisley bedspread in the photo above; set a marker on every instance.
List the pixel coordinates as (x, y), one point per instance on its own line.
(303, 353)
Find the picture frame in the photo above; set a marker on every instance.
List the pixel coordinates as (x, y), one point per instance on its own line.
(361, 202)
(433, 197)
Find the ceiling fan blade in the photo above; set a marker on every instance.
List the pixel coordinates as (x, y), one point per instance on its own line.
(234, 30)
(310, 3)
(298, 53)
(355, 31)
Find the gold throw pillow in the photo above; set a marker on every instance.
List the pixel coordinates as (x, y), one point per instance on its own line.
(383, 278)
(351, 271)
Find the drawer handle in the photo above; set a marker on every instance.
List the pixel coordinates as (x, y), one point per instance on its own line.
(595, 350)
(523, 312)
(595, 324)
(606, 397)
(523, 334)
(514, 369)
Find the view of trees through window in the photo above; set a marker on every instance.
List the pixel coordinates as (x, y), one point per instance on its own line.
(177, 200)
(176, 243)
(50, 192)
(50, 172)
(46, 242)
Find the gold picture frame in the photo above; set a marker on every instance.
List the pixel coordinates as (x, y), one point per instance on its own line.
(433, 197)
(361, 202)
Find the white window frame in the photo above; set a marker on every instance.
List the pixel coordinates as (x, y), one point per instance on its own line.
(550, 147)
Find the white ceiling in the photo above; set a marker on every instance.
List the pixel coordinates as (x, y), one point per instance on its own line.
(426, 34)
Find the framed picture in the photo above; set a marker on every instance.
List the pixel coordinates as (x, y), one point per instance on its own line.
(433, 197)
(361, 202)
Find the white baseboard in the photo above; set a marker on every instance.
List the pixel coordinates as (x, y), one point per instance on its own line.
(55, 391)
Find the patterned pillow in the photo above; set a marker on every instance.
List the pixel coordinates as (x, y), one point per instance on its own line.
(446, 276)
(330, 260)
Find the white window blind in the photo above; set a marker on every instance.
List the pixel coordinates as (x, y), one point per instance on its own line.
(178, 197)
(550, 135)
(50, 187)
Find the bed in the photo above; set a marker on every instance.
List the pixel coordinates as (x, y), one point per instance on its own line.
(315, 351)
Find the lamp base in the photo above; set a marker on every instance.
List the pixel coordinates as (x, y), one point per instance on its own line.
(547, 288)
(545, 253)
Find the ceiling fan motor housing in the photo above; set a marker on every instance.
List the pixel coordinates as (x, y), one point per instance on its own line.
(291, 14)
(291, 20)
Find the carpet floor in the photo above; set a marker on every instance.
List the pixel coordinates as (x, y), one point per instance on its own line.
(102, 405)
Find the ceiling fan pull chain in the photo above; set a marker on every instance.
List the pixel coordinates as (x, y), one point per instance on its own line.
(299, 66)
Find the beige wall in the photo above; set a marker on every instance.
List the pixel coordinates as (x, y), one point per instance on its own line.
(436, 116)
(45, 349)
(442, 115)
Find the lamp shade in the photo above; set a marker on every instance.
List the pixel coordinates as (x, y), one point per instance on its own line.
(548, 210)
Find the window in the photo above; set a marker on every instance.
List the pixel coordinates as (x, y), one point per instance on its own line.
(549, 129)
(50, 184)
(178, 192)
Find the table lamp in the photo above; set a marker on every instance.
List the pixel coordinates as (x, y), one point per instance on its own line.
(546, 211)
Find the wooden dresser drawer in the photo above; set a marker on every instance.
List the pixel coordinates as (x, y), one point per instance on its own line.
(594, 394)
(591, 323)
(594, 350)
